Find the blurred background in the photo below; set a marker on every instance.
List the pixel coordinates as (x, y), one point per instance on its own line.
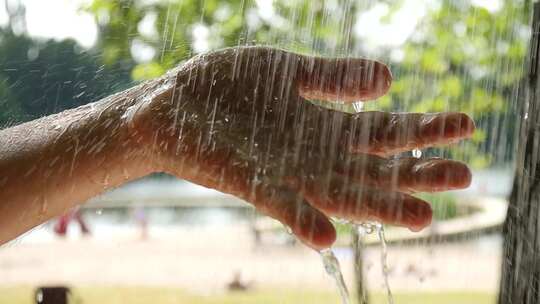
(168, 241)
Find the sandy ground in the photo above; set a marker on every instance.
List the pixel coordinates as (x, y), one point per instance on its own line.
(205, 259)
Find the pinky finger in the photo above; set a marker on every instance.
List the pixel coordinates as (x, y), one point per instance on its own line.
(364, 204)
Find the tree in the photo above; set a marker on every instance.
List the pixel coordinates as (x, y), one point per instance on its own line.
(461, 57)
(520, 275)
(465, 57)
(43, 77)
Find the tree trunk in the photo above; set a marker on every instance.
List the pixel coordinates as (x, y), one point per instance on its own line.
(520, 274)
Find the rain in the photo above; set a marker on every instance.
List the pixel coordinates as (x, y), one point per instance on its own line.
(329, 151)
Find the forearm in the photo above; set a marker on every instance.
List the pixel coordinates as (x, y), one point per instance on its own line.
(54, 163)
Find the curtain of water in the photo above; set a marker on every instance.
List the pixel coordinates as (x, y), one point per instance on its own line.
(458, 55)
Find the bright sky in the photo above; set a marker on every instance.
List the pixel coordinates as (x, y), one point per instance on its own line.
(58, 19)
(63, 19)
(375, 33)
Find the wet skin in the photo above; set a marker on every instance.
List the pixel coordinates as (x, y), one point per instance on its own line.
(238, 120)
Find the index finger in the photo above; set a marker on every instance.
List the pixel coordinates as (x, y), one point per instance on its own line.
(343, 79)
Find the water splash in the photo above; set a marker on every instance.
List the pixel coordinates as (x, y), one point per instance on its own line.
(358, 106)
(365, 228)
(417, 153)
(332, 267)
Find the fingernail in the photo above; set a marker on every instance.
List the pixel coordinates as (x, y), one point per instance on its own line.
(458, 125)
(321, 234)
(442, 175)
(375, 80)
(447, 126)
(420, 215)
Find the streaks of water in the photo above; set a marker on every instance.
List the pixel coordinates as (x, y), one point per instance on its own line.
(332, 268)
(44, 206)
(384, 262)
(366, 228)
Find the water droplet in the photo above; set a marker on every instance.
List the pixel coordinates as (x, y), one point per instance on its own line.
(288, 229)
(366, 228)
(125, 173)
(358, 106)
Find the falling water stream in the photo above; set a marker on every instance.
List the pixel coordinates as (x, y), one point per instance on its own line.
(331, 263)
(333, 268)
(384, 261)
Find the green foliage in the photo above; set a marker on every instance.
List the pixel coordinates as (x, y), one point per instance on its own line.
(462, 57)
(39, 78)
(468, 59)
(171, 26)
(174, 25)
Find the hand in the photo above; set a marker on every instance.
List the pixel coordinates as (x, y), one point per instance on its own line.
(238, 120)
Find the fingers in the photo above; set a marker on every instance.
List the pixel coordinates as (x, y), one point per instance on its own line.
(364, 204)
(218, 171)
(309, 225)
(406, 174)
(342, 79)
(382, 133)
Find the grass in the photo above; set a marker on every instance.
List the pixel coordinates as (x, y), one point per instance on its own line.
(135, 295)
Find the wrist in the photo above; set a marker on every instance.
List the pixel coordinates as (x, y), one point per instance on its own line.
(151, 123)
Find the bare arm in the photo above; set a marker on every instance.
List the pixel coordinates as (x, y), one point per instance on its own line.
(237, 120)
(54, 163)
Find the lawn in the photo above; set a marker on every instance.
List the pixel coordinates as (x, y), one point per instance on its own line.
(134, 295)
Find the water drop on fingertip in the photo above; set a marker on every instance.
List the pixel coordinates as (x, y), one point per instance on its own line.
(358, 106)
(288, 229)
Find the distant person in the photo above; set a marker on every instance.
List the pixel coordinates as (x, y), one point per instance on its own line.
(237, 120)
(236, 284)
(139, 214)
(62, 223)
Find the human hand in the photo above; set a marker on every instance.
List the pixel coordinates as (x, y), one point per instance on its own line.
(238, 120)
